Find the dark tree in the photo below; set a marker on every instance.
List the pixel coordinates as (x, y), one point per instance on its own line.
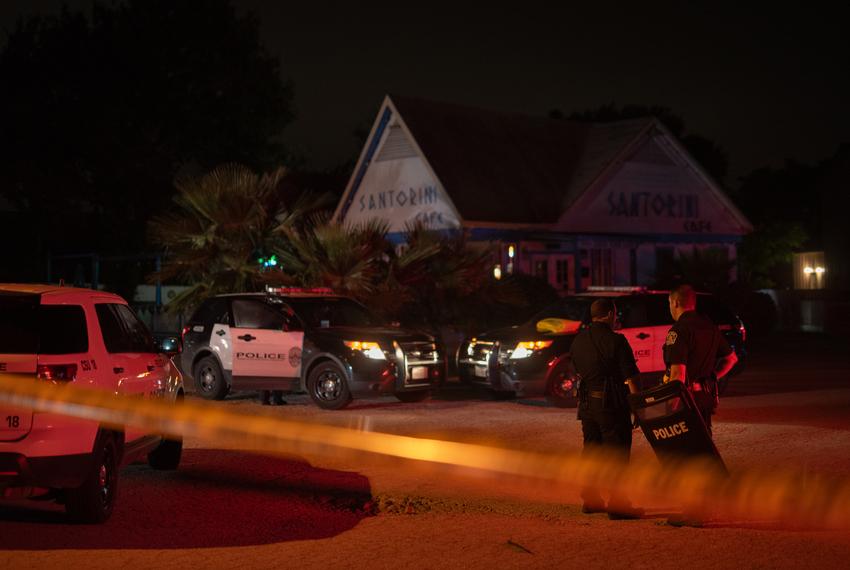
(100, 112)
(707, 152)
(785, 194)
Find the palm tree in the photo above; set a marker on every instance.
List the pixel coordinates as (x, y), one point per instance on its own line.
(349, 259)
(429, 279)
(221, 223)
(442, 274)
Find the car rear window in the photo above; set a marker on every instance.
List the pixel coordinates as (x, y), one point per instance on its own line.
(28, 327)
(122, 330)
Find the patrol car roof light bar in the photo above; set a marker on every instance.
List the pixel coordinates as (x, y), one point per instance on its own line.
(618, 288)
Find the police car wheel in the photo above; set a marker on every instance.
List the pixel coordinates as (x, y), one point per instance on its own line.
(328, 387)
(410, 397)
(559, 387)
(93, 501)
(209, 379)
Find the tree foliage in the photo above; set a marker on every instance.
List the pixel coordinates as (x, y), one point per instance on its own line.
(220, 225)
(223, 221)
(767, 252)
(785, 206)
(789, 193)
(346, 258)
(100, 112)
(431, 279)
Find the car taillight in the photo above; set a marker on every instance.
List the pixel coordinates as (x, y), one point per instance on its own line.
(743, 331)
(57, 372)
(183, 332)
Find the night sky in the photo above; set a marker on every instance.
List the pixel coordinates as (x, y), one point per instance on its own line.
(766, 83)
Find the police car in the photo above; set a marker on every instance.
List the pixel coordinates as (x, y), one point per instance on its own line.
(93, 340)
(305, 340)
(533, 358)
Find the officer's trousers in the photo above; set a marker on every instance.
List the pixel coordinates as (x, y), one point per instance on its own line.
(606, 432)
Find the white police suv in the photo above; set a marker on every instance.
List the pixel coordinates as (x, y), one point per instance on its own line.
(93, 340)
(309, 340)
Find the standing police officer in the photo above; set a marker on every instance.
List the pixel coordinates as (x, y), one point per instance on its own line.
(605, 361)
(695, 352)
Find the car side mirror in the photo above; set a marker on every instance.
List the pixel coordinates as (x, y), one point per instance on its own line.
(170, 345)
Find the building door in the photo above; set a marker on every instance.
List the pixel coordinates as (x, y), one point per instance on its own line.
(557, 269)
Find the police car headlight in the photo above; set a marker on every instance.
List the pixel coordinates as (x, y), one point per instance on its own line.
(368, 349)
(525, 349)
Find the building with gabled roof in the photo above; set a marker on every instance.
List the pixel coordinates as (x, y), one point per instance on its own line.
(576, 203)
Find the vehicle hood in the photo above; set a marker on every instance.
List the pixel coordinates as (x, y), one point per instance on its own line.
(516, 333)
(524, 332)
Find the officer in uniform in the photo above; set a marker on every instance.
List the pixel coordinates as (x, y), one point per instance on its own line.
(604, 362)
(695, 352)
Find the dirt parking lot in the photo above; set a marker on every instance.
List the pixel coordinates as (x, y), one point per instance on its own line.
(789, 410)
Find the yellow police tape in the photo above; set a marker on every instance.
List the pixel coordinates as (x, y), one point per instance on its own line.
(770, 494)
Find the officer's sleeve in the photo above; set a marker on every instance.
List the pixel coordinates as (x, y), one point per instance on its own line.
(723, 348)
(677, 345)
(626, 358)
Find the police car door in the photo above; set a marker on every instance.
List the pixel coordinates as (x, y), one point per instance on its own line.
(263, 347)
(631, 313)
(137, 369)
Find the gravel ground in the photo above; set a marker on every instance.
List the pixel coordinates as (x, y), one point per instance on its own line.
(245, 510)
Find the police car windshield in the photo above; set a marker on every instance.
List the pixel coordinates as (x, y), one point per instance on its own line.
(326, 312)
(572, 309)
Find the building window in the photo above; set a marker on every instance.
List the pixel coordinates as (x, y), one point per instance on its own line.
(601, 267)
(810, 270)
(562, 273)
(541, 269)
(665, 264)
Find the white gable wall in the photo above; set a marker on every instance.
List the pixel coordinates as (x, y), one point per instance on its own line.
(400, 187)
(655, 191)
